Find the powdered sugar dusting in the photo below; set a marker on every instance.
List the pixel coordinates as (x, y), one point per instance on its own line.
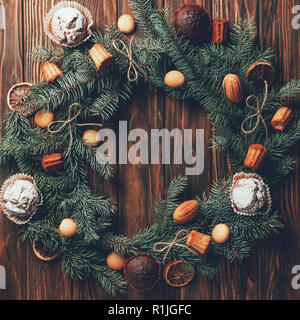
(249, 195)
(21, 197)
(68, 25)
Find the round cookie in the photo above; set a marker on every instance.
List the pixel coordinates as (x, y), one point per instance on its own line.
(142, 272)
(174, 79)
(115, 261)
(221, 233)
(249, 195)
(91, 138)
(68, 228)
(43, 118)
(126, 24)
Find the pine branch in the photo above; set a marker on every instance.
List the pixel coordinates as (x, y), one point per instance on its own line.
(143, 11)
(54, 54)
(242, 39)
(163, 207)
(71, 88)
(117, 243)
(111, 281)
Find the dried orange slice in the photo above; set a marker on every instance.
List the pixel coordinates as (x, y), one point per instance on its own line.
(178, 273)
(42, 253)
(16, 98)
(260, 72)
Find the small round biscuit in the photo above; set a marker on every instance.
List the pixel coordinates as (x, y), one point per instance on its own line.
(68, 228)
(115, 261)
(174, 79)
(43, 118)
(221, 233)
(126, 24)
(91, 138)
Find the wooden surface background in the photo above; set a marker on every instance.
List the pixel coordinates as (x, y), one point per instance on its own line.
(267, 275)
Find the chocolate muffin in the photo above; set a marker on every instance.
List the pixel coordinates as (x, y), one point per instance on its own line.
(142, 272)
(193, 22)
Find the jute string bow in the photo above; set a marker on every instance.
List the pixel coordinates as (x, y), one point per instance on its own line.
(127, 52)
(259, 109)
(69, 123)
(176, 242)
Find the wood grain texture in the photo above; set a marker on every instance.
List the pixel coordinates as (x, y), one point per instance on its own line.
(138, 187)
(104, 13)
(49, 274)
(277, 256)
(267, 275)
(11, 60)
(242, 278)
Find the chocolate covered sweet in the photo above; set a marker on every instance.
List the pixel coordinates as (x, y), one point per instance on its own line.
(142, 272)
(250, 195)
(193, 22)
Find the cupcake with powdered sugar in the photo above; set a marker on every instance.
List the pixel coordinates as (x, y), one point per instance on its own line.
(250, 195)
(20, 198)
(68, 24)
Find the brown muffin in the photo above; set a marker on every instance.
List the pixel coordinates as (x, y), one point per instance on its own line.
(142, 272)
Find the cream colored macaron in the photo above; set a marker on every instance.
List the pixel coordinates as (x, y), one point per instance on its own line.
(68, 228)
(126, 24)
(221, 233)
(115, 261)
(174, 79)
(91, 138)
(43, 118)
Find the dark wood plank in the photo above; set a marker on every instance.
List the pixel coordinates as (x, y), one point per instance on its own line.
(44, 280)
(277, 256)
(235, 281)
(140, 185)
(188, 115)
(11, 52)
(267, 275)
(104, 13)
(231, 281)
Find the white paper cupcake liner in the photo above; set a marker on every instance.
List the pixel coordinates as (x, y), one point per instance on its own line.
(267, 207)
(67, 4)
(18, 219)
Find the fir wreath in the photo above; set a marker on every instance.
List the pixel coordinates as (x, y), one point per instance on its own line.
(66, 193)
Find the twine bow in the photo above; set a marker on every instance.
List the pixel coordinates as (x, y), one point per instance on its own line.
(133, 66)
(259, 109)
(69, 123)
(175, 242)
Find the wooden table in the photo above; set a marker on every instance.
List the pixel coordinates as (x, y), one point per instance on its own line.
(267, 274)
